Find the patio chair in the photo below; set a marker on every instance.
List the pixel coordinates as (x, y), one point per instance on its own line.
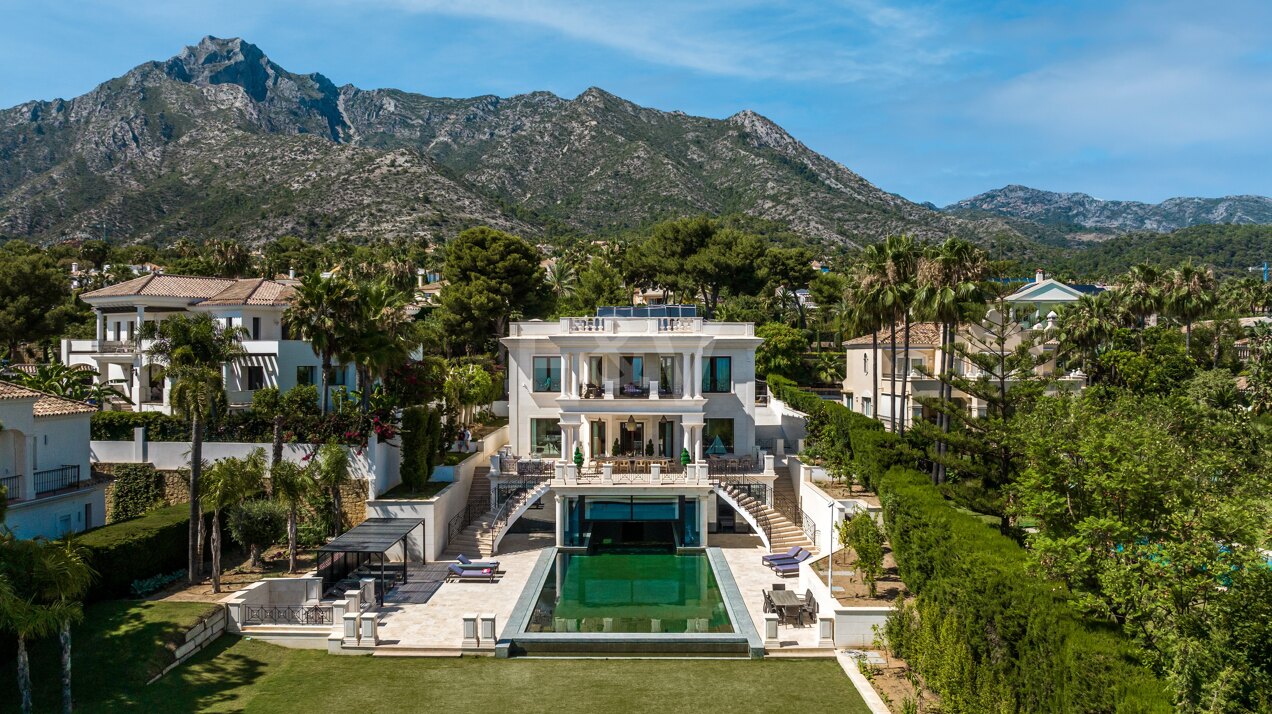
(791, 553)
(799, 557)
(809, 608)
(467, 564)
(768, 601)
(778, 586)
(454, 571)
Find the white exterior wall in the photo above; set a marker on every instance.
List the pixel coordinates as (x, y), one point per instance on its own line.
(613, 338)
(29, 444)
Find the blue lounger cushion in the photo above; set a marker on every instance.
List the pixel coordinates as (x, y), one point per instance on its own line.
(466, 563)
(794, 551)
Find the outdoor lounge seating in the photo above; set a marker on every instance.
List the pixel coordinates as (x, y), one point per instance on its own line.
(467, 564)
(790, 554)
(790, 566)
(799, 557)
(456, 572)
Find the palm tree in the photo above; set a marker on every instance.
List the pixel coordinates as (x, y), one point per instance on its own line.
(194, 349)
(1086, 325)
(319, 313)
(1140, 293)
(332, 467)
(1189, 294)
(562, 278)
(291, 485)
(1242, 296)
(227, 483)
(381, 336)
(948, 280)
(232, 257)
(41, 585)
(888, 279)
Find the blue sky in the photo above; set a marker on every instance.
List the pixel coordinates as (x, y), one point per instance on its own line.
(936, 101)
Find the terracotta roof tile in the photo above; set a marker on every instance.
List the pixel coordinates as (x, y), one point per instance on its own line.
(50, 405)
(9, 390)
(253, 291)
(157, 285)
(922, 334)
(46, 404)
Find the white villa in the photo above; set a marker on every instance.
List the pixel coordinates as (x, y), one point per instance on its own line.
(255, 304)
(634, 415)
(44, 464)
(1035, 309)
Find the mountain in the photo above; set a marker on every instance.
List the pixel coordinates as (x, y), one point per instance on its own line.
(1078, 210)
(220, 140)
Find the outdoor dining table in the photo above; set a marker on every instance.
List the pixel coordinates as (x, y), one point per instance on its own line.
(783, 600)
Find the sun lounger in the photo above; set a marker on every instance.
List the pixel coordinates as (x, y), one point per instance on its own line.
(800, 557)
(786, 567)
(477, 564)
(455, 571)
(790, 554)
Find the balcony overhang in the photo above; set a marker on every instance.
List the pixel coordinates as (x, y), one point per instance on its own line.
(672, 406)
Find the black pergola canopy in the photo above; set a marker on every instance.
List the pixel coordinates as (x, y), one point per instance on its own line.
(356, 547)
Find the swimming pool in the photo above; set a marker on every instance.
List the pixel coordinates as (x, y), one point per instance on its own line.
(630, 592)
(630, 604)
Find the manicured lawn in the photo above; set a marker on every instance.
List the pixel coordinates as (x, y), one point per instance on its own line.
(118, 647)
(121, 643)
(243, 675)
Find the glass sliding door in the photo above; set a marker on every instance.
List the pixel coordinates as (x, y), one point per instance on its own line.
(632, 441)
(667, 375)
(631, 376)
(599, 446)
(667, 439)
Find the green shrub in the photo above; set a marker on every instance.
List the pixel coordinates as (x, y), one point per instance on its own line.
(134, 550)
(155, 583)
(990, 633)
(136, 491)
(118, 426)
(421, 445)
(257, 525)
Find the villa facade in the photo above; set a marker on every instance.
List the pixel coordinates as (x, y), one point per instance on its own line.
(44, 464)
(629, 414)
(119, 354)
(1035, 308)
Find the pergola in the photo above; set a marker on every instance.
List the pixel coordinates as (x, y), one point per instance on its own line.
(360, 545)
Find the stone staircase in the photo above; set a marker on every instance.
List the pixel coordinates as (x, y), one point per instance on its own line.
(783, 532)
(470, 541)
(478, 539)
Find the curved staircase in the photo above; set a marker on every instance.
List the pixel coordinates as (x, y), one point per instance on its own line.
(778, 531)
(481, 537)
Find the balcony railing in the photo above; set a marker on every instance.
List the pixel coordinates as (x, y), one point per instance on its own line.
(288, 615)
(52, 480)
(12, 486)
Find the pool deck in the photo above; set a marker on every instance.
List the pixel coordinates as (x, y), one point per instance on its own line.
(427, 615)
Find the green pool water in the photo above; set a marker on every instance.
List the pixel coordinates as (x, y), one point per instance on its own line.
(618, 592)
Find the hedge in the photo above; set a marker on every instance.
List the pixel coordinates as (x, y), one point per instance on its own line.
(994, 634)
(134, 550)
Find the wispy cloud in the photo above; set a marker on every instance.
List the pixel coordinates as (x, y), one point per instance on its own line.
(846, 41)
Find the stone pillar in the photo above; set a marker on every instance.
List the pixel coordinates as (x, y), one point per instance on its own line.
(370, 633)
(470, 630)
(697, 383)
(655, 473)
(565, 374)
(366, 590)
(826, 630)
(770, 630)
(486, 633)
(697, 443)
(351, 629)
(768, 465)
(560, 519)
(101, 326)
(607, 473)
(558, 472)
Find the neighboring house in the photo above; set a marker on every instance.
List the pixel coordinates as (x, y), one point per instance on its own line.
(1042, 300)
(254, 304)
(1035, 308)
(44, 464)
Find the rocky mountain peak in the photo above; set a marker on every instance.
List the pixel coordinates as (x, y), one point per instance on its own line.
(764, 132)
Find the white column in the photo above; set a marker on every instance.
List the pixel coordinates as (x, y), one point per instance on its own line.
(686, 367)
(101, 326)
(560, 519)
(697, 382)
(585, 370)
(697, 443)
(141, 320)
(565, 374)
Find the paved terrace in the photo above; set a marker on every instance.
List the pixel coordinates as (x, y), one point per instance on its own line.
(427, 613)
